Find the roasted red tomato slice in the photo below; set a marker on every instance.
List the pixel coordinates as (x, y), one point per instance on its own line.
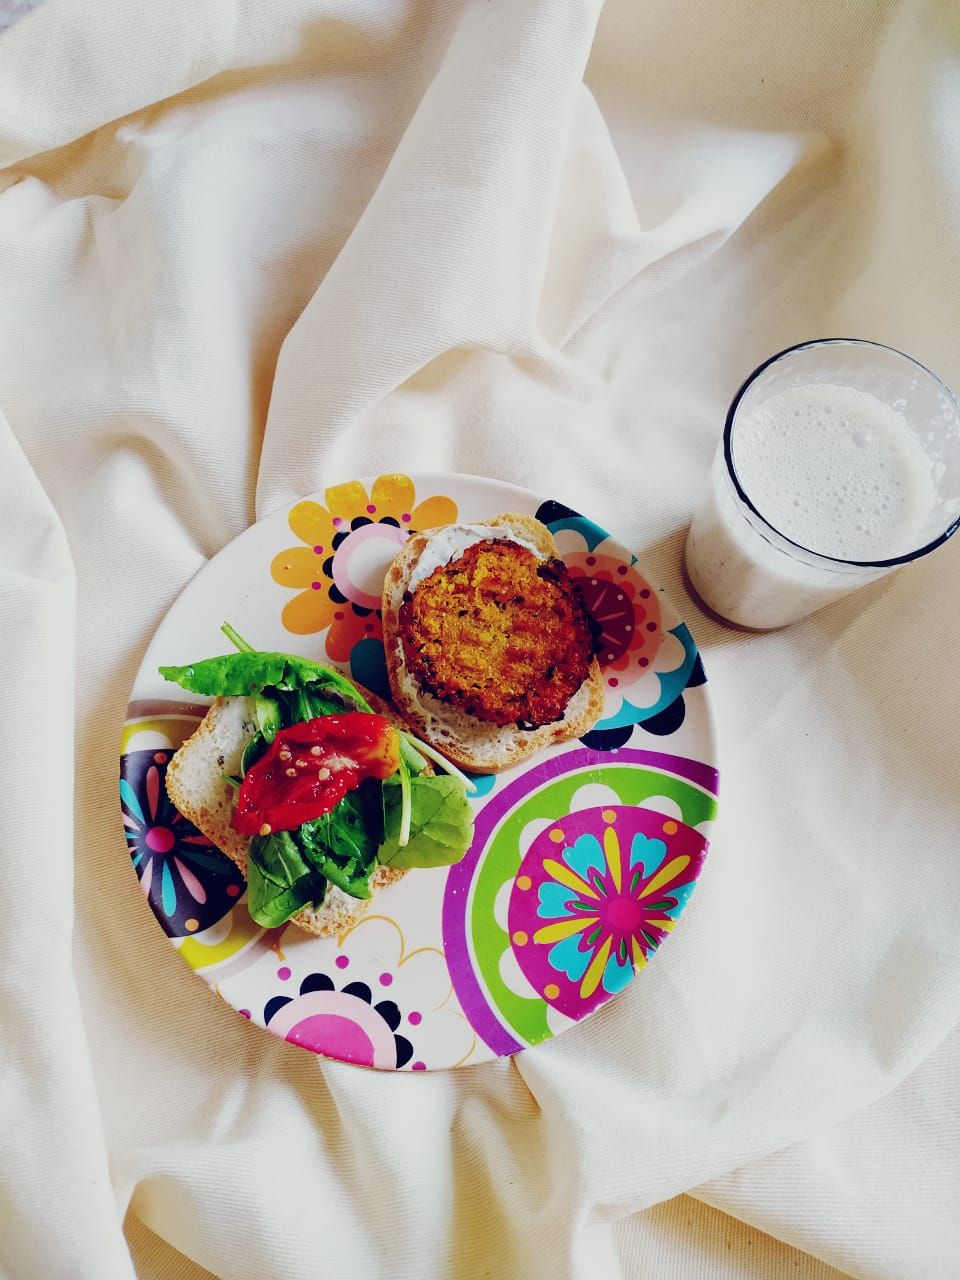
(310, 767)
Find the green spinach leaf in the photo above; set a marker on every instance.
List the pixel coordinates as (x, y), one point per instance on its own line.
(280, 882)
(237, 674)
(342, 844)
(309, 703)
(269, 717)
(253, 749)
(441, 823)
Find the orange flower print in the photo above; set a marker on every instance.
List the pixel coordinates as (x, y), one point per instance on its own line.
(345, 549)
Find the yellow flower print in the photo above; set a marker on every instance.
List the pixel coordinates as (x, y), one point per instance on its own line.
(345, 548)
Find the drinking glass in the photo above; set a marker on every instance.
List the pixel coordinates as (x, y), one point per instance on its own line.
(740, 564)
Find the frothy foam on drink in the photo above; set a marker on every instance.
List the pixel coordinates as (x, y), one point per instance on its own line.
(837, 471)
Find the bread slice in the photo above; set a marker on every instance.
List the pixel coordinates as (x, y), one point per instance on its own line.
(196, 787)
(466, 740)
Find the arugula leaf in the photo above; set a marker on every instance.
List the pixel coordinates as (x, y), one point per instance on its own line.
(280, 882)
(342, 844)
(237, 674)
(441, 823)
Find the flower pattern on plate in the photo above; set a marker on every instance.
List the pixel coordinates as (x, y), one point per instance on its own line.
(594, 897)
(502, 979)
(340, 1022)
(625, 608)
(188, 882)
(369, 1000)
(647, 658)
(346, 547)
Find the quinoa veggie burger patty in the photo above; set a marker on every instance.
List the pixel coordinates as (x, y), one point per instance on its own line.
(500, 634)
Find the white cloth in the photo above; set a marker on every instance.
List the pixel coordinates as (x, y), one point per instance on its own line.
(252, 248)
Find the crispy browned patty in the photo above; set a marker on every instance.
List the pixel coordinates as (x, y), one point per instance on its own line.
(500, 634)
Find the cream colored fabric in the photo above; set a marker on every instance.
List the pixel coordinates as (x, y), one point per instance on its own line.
(252, 248)
(874, 1194)
(683, 1239)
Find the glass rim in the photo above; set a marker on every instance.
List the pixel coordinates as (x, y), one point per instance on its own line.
(747, 500)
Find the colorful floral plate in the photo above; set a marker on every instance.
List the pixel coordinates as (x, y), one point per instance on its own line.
(583, 858)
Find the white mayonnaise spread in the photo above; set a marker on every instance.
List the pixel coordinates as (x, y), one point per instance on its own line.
(451, 542)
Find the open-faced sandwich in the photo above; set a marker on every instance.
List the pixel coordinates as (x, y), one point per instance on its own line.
(318, 790)
(312, 786)
(490, 648)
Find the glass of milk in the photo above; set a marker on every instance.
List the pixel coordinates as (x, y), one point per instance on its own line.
(840, 460)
